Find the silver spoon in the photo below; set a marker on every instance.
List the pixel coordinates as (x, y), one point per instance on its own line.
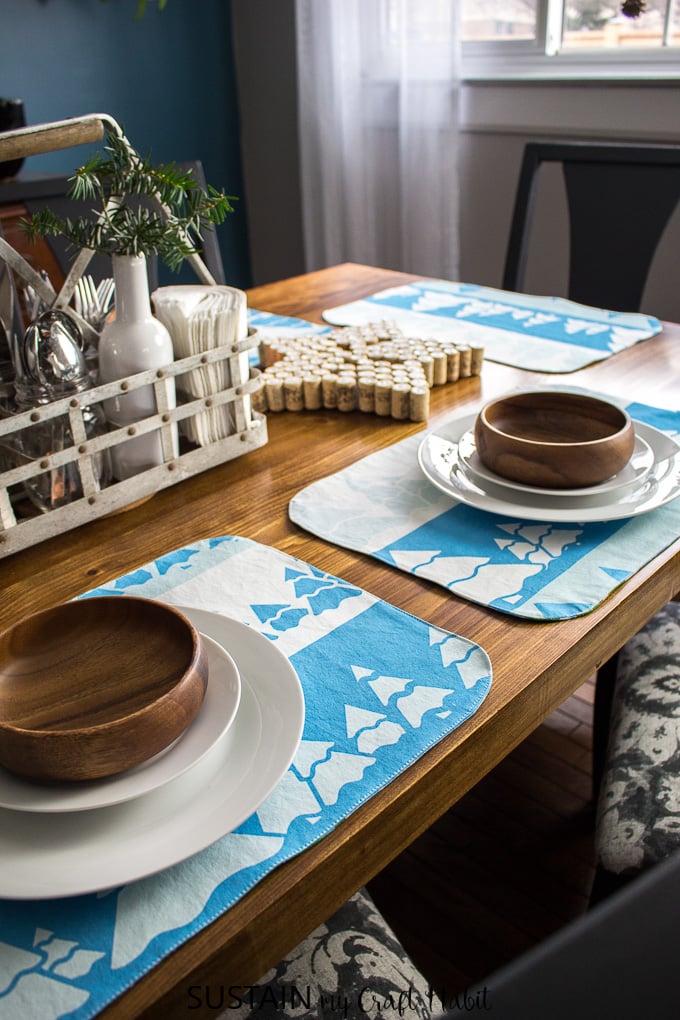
(52, 352)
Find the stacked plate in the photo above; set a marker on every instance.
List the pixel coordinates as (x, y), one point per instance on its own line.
(64, 839)
(651, 478)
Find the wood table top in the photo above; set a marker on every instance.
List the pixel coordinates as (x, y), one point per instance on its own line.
(535, 666)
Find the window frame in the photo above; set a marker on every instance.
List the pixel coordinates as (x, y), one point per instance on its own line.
(542, 59)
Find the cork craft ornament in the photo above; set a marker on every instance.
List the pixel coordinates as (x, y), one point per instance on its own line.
(374, 368)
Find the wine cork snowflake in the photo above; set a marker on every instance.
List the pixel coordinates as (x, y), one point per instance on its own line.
(375, 368)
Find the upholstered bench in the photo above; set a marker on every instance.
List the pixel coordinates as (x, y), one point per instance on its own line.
(352, 965)
(638, 809)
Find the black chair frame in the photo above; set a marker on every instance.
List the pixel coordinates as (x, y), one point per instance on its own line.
(618, 960)
(620, 199)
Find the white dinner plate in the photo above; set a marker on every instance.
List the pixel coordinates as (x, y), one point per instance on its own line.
(439, 461)
(635, 471)
(47, 856)
(213, 720)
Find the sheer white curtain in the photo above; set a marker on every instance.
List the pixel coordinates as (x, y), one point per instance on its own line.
(378, 88)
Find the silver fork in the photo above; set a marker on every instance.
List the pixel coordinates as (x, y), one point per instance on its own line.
(105, 291)
(93, 302)
(81, 297)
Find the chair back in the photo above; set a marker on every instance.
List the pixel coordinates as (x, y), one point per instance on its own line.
(619, 959)
(620, 199)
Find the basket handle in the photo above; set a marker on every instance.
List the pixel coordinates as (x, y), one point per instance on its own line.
(62, 134)
(58, 134)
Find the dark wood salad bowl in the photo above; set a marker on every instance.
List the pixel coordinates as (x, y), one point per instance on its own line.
(93, 687)
(554, 439)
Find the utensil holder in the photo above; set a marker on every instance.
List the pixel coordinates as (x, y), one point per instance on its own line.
(82, 455)
(19, 533)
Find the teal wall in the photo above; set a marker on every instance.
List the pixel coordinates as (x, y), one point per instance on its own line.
(168, 79)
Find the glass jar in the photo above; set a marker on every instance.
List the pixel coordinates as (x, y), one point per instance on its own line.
(60, 484)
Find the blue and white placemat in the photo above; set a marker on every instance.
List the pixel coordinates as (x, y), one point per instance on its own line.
(384, 506)
(380, 687)
(280, 326)
(540, 334)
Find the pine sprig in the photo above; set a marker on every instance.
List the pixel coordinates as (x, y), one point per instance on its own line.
(633, 8)
(179, 207)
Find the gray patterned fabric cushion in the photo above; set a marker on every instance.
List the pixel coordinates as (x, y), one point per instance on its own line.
(638, 816)
(351, 966)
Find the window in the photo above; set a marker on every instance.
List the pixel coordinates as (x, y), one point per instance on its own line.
(568, 38)
(498, 20)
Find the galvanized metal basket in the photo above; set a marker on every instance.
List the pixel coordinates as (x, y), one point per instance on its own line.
(93, 500)
(17, 532)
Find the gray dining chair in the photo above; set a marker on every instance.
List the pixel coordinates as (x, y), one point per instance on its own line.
(345, 967)
(619, 959)
(620, 199)
(638, 797)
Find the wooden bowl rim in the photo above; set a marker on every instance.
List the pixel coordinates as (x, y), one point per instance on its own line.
(627, 420)
(125, 720)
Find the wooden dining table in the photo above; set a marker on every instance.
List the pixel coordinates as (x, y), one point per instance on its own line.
(536, 666)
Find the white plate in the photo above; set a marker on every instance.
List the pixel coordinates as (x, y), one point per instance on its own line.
(438, 459)
(46, 856)
(634, 472)
(213, 720)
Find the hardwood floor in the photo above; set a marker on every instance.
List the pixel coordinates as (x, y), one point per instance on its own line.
(511, 863)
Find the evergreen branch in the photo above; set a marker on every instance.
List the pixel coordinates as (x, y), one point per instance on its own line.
(181, 208)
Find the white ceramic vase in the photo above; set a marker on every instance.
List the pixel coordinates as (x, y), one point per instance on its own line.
(133, 342)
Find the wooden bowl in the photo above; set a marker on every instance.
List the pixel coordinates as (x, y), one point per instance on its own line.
(94, 687)
(554, 439)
